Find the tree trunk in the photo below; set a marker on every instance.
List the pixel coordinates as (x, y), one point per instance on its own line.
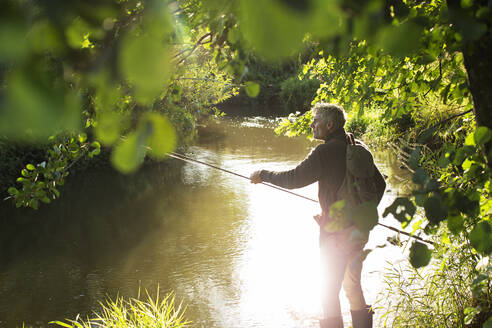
(477, 56)
(478, 64)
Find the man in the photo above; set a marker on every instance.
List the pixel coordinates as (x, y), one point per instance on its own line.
(340, 255)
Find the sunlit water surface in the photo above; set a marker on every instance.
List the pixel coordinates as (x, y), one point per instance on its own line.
(237, 254)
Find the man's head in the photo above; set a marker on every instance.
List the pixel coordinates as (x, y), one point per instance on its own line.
(327, 118)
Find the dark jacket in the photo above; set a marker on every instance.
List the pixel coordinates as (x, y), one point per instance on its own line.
(325, 164)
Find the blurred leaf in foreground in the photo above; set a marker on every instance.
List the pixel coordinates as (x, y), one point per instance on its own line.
(129, 154)
(154, 134)
(276, 29)
(144, 58)
(252, 89)
(36, 108)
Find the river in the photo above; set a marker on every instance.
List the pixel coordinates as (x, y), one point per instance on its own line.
(238, 255)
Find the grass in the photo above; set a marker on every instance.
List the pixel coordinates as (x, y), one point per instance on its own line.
(132, 313)
(437, 296)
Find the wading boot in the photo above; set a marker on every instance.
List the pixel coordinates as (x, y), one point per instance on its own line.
(333, 322)
(362, 318)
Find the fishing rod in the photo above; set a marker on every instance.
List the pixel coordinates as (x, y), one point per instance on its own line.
(192, 160)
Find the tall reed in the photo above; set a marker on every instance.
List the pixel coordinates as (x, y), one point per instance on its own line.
(437, 296)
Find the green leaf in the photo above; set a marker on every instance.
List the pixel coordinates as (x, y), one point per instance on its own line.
(400, 40)
(95, 148)
(365, 216)
(420, 255)
(45, 200)
(145, 62)
(36, 106)
(34, 203)
(445, 238)
(55, 192)
(420, 199)
(420, 177)
(62, 324)
(431, 185)
(402, 209)
(276, 29)
(338, 210)
(455, 224)
(470, 313)
(482, 135)
(129, 154)
(82, 137)
(336, 225)
(162, 139)
(285, 28)
(95, 145)
(464, 204)
(252, 89)
(44, 37)
(107, 95)
(469, 28)
(12, 38)
(434, 211)
(414, 160)
(30, 167)
(481, 237)
(467, 164)
(478, 284)
(108, 127)
(470, 140)
(13, 191)
(462, 153)
(77, 32)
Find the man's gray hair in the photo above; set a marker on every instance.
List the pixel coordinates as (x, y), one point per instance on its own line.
(333, 112)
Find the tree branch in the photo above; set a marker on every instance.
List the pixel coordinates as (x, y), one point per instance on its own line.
(198, 43)
(447, 119)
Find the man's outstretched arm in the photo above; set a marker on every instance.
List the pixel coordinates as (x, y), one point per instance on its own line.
(307, 172)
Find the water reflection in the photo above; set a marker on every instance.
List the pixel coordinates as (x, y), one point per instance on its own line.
(239, 255)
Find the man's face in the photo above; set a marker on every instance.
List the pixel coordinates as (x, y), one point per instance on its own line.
(321, 129)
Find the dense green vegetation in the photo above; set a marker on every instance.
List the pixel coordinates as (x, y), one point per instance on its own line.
(133, 77)
(282, 92)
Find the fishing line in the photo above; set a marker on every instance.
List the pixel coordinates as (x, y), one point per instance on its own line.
(192, 160)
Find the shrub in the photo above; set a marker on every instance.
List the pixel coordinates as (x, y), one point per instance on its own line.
(357, 125)
(296, 95)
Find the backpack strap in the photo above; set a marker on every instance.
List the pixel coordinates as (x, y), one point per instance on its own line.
(350, 138)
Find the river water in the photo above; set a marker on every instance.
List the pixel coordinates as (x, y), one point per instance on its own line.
(237, 254)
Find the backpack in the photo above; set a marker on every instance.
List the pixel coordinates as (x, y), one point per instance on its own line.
(363, 182)
(360, 193)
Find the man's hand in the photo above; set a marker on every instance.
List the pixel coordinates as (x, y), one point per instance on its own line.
(255, 177)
